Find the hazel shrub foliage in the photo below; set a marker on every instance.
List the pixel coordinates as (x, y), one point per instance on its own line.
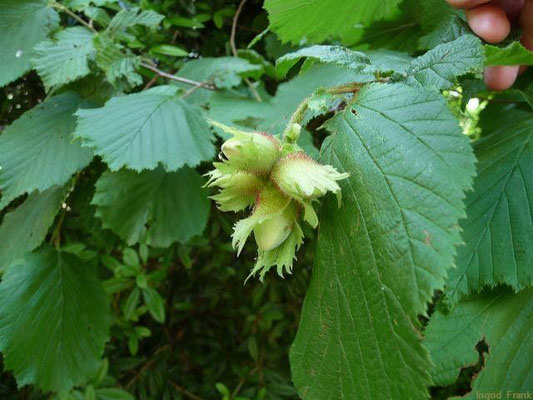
(387, 190)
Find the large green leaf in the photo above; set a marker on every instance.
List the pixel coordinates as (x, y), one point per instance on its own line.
(54, 320)
(440, 66)
(384, 252)
(37, 149)
(500, 318)
(316, 20)
(498, 232)
(24, 229)
(64, 59)
(23, 23)
(141, 130)
(152, 207)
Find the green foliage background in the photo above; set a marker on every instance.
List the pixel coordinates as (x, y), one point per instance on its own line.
(119, 280)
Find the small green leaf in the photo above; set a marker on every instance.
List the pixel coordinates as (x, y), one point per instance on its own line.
(118, 64)
(143, 253)
(169, 50)
(102, 372)
(222, 389)
(142, 331)
(155, 304)
(63, 302)
(128, 17)
(184, 22)
(130, 307)
(141, 281)
(113, 394)
(90, 393)
(252, 347)
(133, 344)
(98, 15)
(130, 257)
(513, 54)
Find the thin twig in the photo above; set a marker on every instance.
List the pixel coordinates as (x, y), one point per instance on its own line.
(64, 9)
(147, 365)
(151, 82)
(238, 388)
(193, 89)
(176, 78)
(184, 391)
(234, 27)
(234, 47)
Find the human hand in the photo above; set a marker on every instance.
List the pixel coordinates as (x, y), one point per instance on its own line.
(491, 20)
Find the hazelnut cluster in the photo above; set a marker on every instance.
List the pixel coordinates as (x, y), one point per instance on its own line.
(280, 183)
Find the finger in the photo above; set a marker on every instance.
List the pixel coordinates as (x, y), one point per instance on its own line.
(501, 78)
(489, 22)
(466, 3)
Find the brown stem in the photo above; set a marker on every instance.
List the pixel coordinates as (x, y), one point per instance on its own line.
(350, 88)
(238, 388)
(234, 47)
(234, 27)
(151, 82)
(176, 78)
(193, 89)
(184, 391)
